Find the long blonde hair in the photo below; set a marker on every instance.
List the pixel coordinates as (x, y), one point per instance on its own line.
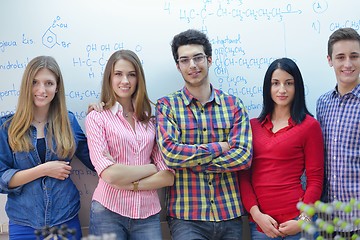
(140, 97)
(58, 127)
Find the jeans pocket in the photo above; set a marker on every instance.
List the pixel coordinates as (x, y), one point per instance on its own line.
(96, 207)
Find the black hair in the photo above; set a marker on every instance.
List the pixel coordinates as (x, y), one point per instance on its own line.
(298, 109)
(187, 37)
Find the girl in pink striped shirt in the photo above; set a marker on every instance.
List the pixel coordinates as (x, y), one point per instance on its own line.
(126, 157)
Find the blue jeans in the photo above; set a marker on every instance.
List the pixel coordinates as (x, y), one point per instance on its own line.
(104, 221)
(256, 235)
(19, 232)
(191, 230)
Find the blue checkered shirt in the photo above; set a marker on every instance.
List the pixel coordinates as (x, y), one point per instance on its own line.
(339, 117)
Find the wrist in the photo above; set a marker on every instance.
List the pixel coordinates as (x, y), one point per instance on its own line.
(304, 217)
(41, 169)
(136, 186)
(255, 212)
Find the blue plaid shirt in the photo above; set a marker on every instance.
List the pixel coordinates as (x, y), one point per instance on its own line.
(339, 117)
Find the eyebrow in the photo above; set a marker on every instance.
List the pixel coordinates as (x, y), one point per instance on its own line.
(115, 70)
(289, 79)
(197, 54)
(46, 79)
(352, 53)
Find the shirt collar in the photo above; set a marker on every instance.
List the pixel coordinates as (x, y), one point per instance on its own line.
(269, 125)
(188, 97)
(355, 91)
(116, 108)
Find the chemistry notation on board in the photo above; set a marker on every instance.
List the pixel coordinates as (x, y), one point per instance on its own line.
(231, 9)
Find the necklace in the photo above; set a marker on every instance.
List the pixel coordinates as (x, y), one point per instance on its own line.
(127, 114)
(37, 121)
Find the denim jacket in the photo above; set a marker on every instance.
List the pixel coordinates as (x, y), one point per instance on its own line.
(45, 201)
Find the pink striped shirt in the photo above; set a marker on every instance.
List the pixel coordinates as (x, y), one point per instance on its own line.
(108, 131)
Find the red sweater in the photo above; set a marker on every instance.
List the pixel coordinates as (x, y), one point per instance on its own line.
(279, 159)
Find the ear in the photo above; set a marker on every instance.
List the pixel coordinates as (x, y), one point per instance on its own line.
(329, 61)
(178, 67)
(209, 59)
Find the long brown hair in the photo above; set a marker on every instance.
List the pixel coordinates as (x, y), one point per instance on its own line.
(58, 127)
(140, 97)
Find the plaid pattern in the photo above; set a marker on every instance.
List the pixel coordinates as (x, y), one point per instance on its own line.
(339, 117)
(206, 184)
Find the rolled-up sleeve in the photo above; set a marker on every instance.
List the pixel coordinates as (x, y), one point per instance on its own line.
(99, 150)
(6, 162)
(158, 160)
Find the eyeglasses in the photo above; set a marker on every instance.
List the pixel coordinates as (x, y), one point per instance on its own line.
(198, 59)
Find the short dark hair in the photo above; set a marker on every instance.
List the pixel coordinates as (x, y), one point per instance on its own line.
(342, 34)
(190, 36)
(298, 109)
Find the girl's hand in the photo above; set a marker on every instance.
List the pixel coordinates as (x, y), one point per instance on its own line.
(290, 227)
(57, 169)
(267, 224)
(99, 107)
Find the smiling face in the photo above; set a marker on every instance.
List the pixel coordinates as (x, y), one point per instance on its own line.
(345, 59)
(282, 89)
(44, 88)
(195, 72)
(124, 79)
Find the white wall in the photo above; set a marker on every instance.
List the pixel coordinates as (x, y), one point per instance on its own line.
(246, 35)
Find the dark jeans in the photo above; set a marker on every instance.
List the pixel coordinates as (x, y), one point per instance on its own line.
(19, 232)
(201, 230)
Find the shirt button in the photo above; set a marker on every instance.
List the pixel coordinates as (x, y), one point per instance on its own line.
(209, 183)
(204, 129)
(212, 201)
(202, 110)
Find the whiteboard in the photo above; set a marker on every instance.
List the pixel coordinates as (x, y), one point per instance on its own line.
(246, 36)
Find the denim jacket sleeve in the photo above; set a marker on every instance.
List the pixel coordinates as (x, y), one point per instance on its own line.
(6, 160)
(82, 150)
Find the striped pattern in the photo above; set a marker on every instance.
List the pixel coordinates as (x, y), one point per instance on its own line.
(108, 131)
(206, 184)
(339, 117)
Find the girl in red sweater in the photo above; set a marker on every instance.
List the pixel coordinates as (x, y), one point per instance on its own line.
(286, 141)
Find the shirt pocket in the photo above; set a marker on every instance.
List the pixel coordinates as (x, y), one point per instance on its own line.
(221, 130)
(23, 160)
(189, 133)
